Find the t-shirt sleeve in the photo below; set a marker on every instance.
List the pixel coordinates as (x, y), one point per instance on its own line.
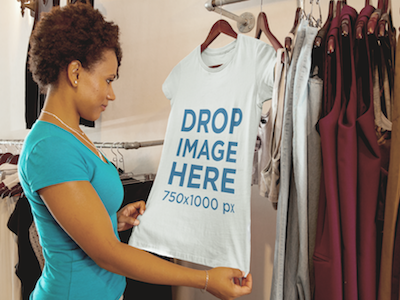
(54, 160)
(171, 84)
(266, 59)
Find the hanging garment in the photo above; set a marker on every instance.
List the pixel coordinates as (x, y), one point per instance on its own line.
(28, 269)
(347, 158)
(199, 207)
(291, 272)
(271, 156)
(382, 64)
(327, 253)
(298, 204)
(278, 275)
(393, 193)
(261, 154)
(314, 159)
(396, 264)
(10, 285)
(381, 88)
(257, 148)
(368, 169)
(315, 92)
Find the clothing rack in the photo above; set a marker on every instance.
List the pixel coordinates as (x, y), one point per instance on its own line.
(113, 145)
(245, 22)
(129, 145)
(11, 142)
(128, 178)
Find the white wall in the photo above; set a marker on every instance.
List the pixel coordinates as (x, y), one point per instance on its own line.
(155, 36)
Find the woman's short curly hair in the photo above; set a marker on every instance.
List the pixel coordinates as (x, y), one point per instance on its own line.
(73, 32)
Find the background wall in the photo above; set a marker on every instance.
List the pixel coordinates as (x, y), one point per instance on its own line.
(155, 36)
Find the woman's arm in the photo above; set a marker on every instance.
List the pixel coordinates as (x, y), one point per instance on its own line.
(79, 211)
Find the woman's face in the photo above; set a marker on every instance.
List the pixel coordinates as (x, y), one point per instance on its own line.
(96, 87)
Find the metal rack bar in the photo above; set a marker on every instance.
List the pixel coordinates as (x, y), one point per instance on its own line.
(245, 22)
(223, 2)
(11, 142)
(128, 145)
(114, 145)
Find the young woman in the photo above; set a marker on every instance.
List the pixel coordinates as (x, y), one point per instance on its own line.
(73, 190)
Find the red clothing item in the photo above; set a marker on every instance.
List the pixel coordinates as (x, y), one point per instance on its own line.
(327, 253)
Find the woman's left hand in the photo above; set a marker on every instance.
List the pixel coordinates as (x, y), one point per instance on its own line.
(127, 216)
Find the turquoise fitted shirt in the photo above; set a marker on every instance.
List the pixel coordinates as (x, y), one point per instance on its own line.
(52, 155)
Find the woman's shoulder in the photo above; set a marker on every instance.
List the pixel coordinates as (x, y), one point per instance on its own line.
(48, 140)
(48, 133)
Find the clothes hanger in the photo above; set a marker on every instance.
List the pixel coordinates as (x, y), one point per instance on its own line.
(4, 191)
(324, 30)
(131, 178)
(385, 19)
(359, 30)
(288, 39)
(375, 17)
(221, 26)
(344, 24)
(121, 159)
(115, 158)
(331, 41)
(4, 157)
(16, 190)
(13, 159)
(262, 26)
(360, 25)
(310, 17)
(345, 27)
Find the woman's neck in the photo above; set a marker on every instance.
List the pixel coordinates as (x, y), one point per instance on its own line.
(59, 104)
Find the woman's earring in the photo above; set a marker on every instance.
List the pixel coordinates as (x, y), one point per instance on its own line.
(76, 81)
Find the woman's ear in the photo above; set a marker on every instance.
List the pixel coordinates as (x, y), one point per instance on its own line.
(74, 70)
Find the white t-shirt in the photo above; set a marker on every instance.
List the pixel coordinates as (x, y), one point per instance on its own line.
(199, 207)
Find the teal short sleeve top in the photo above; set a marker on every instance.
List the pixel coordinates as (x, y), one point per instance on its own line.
(52, 155)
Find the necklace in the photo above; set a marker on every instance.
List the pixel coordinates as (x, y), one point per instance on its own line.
(82, 135)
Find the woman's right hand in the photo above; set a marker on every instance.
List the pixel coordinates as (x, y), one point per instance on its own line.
(225, 284)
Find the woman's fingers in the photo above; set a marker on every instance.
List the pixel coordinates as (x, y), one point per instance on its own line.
(127, 216)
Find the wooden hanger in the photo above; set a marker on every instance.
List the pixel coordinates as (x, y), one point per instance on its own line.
(360, 25)
(262, 26)
(331, 41)
(221, 26)
(376, 16)
(345, 27)
(13, 160)
(359, 30)
(373, 21)
(345, 23)
(324, 30)
(384, 18)
(4, 157)
(288, 39)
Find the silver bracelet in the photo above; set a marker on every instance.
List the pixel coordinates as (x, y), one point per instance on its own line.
(207, 277)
